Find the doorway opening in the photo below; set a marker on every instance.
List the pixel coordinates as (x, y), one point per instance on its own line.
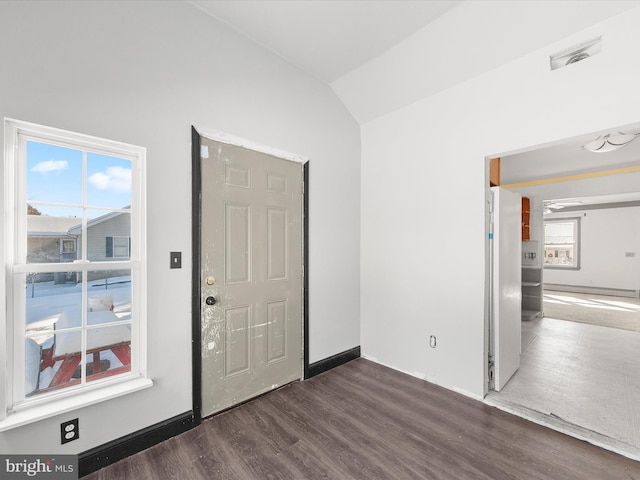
(578, 375)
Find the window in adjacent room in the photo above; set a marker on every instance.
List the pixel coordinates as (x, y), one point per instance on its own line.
(562, 243)
(75, 313)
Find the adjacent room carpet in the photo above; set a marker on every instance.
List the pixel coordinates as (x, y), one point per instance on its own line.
(603, 310)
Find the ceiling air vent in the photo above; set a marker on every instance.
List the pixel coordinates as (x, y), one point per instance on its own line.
(576, 53)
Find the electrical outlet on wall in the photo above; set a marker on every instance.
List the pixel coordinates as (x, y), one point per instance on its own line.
(432, 341)
(69, 431)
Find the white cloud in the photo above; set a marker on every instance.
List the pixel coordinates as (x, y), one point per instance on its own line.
(50, 166)
(116, 179)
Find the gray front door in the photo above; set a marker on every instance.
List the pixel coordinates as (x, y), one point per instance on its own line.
(252, 279)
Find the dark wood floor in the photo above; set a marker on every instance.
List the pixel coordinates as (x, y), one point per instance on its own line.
(365, 421)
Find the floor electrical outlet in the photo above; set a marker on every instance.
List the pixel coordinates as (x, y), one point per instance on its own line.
(69, 431)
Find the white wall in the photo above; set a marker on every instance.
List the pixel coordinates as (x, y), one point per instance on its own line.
(606, 236)
(424, 185)
(143, 73)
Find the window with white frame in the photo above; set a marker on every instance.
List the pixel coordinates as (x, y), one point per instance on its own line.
(75, 316)
(68, 246)
(562, 243)
(118, 246)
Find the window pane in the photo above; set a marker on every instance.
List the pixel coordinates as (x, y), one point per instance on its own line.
(49, 295)
(120, 246)
(108, 346)
(109, 291)
(59, 364)
(108, 236)
(108, 181)
(557, 232)
(108, 351)
(68, 246)
(54, 174)
(559, 255)
(53, 305)
(52, 238)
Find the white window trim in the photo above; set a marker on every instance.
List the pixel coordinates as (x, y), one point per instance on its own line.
(35, 413)
(576, 242)
(13, 224)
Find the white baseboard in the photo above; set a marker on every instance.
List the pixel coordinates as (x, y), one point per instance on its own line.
(616, 292)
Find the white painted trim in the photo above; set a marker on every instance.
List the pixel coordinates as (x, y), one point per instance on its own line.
(614, 292)
(13, 405)
(577, 226)
(6, 246)
(76, 266)
(52, 408)
(248, 144)
(57, 136)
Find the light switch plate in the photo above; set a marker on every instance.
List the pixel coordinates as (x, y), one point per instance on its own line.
(176, 260)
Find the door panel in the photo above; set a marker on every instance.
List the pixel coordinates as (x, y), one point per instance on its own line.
(236, 246)
(276, 244)
(237, 323)
(251, 264)
(276, 331)
(506, 284)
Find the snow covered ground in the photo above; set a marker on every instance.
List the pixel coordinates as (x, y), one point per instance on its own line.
(50, 299)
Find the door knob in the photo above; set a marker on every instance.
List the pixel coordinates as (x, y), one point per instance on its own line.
(210, 301)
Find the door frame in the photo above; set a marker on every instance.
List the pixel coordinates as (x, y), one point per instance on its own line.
(196, 230)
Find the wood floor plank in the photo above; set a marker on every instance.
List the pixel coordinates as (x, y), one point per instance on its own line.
(366, 421)
(349, 452)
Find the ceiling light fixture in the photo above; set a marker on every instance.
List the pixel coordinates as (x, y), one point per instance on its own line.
(550, 206)
(558, 204)
(610, 142)
(576, 53)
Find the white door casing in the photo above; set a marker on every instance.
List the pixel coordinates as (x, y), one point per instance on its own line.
(251, 273)
(506, 287)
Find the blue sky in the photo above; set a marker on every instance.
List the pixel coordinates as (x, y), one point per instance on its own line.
(54, 174)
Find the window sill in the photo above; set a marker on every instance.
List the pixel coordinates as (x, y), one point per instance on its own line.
(68, 404)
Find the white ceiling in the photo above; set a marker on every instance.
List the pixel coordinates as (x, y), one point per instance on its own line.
(381, 55)
(326, 38)
(331, 39)
(568, 158)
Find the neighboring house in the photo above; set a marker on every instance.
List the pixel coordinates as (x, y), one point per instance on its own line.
(49, 240)
(109, 237)
(59, 240)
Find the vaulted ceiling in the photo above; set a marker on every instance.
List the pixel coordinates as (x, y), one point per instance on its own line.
(349, 44)
(327, 39)
(381, 55)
